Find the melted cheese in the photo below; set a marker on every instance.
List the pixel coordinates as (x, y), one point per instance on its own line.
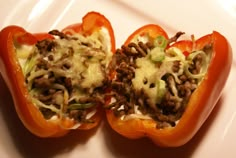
(89, 59)
(146, 71)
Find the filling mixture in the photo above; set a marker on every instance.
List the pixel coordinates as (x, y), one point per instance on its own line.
(155, 82)
(66, 76)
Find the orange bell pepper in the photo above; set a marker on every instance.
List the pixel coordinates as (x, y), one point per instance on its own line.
(201, 102)
(12, 73)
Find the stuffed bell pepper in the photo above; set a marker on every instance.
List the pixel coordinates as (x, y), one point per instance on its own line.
(165, 88)
(57, 79)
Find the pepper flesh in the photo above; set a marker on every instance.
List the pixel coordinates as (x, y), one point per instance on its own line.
(201, 103)
(11, 72)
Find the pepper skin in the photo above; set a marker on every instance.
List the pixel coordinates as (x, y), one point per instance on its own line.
(201, 103)
(12, 73)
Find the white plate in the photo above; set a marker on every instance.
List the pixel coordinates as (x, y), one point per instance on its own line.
(215, 139)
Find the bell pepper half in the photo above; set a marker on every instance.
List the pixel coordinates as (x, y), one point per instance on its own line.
(165, 88)
(49, 74)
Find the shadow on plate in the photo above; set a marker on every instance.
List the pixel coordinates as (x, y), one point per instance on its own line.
(140, 148)
(29, 145)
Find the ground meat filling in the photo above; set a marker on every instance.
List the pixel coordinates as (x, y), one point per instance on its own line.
(167, 112)
(56, 88)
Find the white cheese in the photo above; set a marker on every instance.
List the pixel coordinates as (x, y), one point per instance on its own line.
(93, 76)
(23, 53)
(146, 71)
